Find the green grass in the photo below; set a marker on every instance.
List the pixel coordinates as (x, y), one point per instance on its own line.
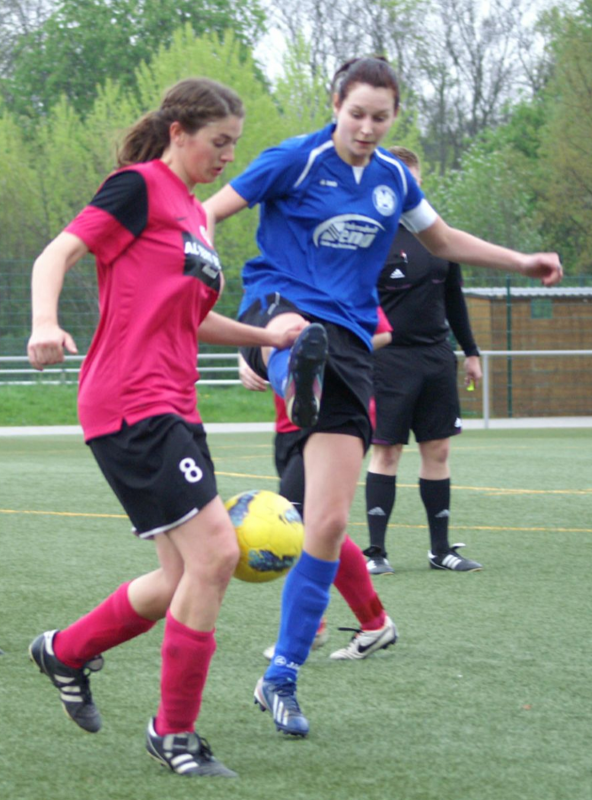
(486, 696)
(56, 405)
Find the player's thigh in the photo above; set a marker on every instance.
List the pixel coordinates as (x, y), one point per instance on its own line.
(332, 467)
(347, 387)
(207, 542)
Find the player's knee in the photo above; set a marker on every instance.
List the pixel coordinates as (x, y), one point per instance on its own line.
(226, 557)
(331, 527)
(436, 451)
(385, 459)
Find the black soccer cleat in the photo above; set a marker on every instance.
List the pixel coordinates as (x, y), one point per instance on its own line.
(304, 385)
(73, 684)
(185, 754)
(453, 561)
(377, 562)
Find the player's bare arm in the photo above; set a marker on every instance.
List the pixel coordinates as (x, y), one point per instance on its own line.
(47, 341)
(218, 329)
(221, 205)
(456, 245)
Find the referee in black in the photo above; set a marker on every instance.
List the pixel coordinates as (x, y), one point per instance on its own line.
(415, 389)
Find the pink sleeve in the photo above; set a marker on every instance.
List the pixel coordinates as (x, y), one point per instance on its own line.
(384, 326)
(104, 236)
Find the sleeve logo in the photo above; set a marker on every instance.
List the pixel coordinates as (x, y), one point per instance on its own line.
(201, 262)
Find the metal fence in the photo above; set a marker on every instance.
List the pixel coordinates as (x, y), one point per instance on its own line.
(534, 341)
(553, 383)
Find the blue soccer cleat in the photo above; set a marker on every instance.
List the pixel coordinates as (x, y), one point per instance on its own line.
(280, 700)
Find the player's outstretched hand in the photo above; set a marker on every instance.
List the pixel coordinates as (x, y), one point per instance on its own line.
(546, 266)
(46, 346)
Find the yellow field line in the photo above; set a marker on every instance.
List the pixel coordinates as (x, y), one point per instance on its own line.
(487, 489)
(62, 513)
(88, 515)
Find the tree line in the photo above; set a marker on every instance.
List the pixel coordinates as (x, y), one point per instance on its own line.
(497, 99)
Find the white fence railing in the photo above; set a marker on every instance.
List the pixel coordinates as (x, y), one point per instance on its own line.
(488, 355)
(61, 373)
(212, 365)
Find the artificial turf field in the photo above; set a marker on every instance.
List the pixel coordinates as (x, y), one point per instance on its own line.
(488, 693)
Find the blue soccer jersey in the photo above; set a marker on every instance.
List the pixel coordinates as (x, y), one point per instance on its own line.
(326, 227)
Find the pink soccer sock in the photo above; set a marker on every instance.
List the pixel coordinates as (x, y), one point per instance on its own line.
(186, 656)
(112, 622)
(353, 582)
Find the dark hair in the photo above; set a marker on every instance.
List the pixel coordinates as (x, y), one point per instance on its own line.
(193, 103)
(373, 70)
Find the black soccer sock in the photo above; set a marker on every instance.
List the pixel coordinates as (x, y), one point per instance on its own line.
(435, 496)
(381, 491)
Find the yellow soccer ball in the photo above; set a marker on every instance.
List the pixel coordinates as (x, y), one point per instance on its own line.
(269, 532)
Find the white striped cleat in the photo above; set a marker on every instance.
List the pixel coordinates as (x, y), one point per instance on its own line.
(72, 684)
(185, 753)
(280, 700)
(452, 561)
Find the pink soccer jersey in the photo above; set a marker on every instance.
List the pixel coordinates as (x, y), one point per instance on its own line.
(158, 278)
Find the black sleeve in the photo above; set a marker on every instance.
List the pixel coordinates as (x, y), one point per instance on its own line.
(124, 195)
(456, 311)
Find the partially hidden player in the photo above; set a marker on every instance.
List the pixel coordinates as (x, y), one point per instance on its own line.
(415, 389)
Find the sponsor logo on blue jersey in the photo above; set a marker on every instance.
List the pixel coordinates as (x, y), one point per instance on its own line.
(347, 232)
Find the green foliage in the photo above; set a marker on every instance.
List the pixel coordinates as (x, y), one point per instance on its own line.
(21, 203)
(86, 42)
(406, 131)
(302, 94)
(487, 197)
(566, 151)
(64, 167)
(525, 183)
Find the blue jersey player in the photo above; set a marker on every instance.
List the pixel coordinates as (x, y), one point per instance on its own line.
(330, 203)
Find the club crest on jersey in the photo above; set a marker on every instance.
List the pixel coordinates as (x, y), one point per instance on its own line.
(347, 232)
(385, 200)
(201, 262)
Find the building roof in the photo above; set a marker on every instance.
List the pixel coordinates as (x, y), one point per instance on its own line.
(529, 292)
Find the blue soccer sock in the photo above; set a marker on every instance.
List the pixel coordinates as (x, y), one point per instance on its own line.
(277, 370)
(304, 600)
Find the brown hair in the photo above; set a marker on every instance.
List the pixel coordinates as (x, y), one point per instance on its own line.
(407, 156)
(193, 103)
(373, 70)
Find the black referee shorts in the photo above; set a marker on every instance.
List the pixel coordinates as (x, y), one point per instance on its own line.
(347, 385)
(415, 390)
(160, 469)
